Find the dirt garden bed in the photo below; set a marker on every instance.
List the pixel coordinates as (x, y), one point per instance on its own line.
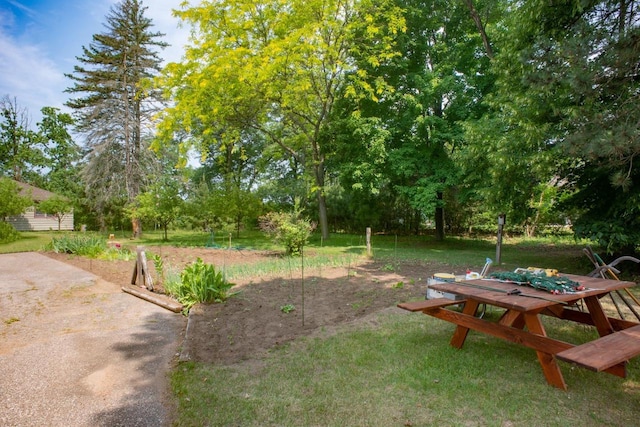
(269, 311)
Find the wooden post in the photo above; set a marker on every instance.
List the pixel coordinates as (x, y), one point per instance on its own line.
(501, 221)
(142, 270)
(368, 241)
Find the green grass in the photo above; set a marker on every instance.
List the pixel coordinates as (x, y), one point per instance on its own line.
(402, 372)
(288, 265)
(561, 253)
(31, 241)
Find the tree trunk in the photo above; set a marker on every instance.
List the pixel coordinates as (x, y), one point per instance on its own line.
(322, 215)
(136, 225)
(318, 170)
(476, 19)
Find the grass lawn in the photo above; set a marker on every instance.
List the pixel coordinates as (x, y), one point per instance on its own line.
(399, 370)
(30, 241)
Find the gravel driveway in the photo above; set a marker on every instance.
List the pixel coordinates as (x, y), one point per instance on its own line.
(77, 351)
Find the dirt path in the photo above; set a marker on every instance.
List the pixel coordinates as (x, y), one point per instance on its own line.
(77, 351)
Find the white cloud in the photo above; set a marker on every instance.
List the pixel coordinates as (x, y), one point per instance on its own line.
(161, 14)
(29, 75)
(37, 49)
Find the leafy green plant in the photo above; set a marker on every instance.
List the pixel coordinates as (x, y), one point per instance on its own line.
(85, 245)
(158, 264)
(117, 253)
(200, 282)
(287, 308)
(171, 281)
(8, 234)
(288, 228)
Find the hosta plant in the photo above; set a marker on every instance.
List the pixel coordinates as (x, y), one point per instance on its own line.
(200, 282)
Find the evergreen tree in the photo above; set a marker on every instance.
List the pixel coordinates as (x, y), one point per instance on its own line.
(565, 116)
(114, 110)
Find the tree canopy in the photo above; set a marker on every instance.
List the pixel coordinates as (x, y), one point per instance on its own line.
(276, 68)
(410, 116)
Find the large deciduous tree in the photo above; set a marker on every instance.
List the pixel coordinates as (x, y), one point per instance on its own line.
(411, 134)
(276, 67)
(115, 107)
(21, 154)
(62, 153)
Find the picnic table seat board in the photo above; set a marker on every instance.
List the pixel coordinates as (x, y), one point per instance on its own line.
(605, 352)
(428, 304)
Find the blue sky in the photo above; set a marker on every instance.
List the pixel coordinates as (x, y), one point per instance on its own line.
(40, 40)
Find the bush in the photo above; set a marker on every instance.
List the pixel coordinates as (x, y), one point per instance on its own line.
(84, 245)
(8, 234)
(289, 229)
(117, 253)
(199, 282)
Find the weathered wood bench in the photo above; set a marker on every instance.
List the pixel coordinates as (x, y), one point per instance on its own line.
(429, 304)
(605, 352)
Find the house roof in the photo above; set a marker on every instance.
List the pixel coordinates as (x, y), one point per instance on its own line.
(37, 194)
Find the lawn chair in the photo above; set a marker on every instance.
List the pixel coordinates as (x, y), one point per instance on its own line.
(609, 271)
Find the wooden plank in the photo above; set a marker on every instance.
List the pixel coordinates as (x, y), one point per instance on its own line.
(518, 336)
(430, 303)
(585, 318)
(158, 299)
(460, 334)
(547, 361)
(141, 270)
(606, 351)
(512, 318)
(600, 319)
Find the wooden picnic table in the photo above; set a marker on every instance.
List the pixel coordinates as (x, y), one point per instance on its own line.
(521, 321)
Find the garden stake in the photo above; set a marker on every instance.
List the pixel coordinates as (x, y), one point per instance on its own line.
(302, 260)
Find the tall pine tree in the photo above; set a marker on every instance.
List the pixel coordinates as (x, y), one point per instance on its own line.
(114, 108)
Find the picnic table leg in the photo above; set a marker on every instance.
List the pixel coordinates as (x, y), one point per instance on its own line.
(604, 327)
(460, 334)
(548, 362)
(598, 315)
(512, 318)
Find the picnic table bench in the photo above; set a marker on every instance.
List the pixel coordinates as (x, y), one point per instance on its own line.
(606, 351)
(521, 322)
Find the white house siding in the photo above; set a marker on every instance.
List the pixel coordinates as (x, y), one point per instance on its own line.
(29, 221)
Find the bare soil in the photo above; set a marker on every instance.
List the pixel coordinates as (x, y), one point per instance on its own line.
(256, 319)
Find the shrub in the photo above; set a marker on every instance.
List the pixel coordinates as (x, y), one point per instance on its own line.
(117, 253)
(84, 245)
(8, 234)
(287, 228)
(199, 282)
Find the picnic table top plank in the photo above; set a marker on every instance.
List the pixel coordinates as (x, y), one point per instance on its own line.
(530, 300)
